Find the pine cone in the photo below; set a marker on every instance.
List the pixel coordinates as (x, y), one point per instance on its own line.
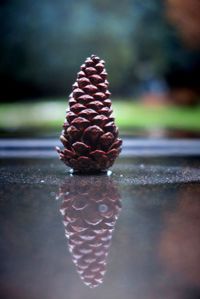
(90, 213)
(89, 135)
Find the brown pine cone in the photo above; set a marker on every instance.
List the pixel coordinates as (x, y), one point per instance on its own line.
(90, 136)
(90, 213)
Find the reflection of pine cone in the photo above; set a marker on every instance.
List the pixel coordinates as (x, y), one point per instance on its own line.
(90, 136)
(90, 213)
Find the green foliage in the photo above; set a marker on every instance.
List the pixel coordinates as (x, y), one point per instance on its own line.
(129, 115)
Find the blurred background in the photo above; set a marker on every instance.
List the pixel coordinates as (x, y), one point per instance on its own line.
(151, 49)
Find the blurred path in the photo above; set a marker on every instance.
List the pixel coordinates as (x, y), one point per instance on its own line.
(131, 147)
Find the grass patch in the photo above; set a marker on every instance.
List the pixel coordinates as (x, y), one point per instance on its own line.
(40, 115)
(130, 115)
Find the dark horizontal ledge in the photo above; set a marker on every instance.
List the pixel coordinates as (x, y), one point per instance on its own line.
(36, 148)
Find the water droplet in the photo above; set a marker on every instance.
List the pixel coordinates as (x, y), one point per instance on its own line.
(42, 181)
(109, 173)
(103, 208)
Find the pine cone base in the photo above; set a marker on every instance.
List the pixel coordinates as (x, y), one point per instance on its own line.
(90, 136)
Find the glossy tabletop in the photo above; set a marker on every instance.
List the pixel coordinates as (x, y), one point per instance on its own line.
(132, 233)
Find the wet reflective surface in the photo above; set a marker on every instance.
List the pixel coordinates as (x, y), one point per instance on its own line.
(133, 234)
